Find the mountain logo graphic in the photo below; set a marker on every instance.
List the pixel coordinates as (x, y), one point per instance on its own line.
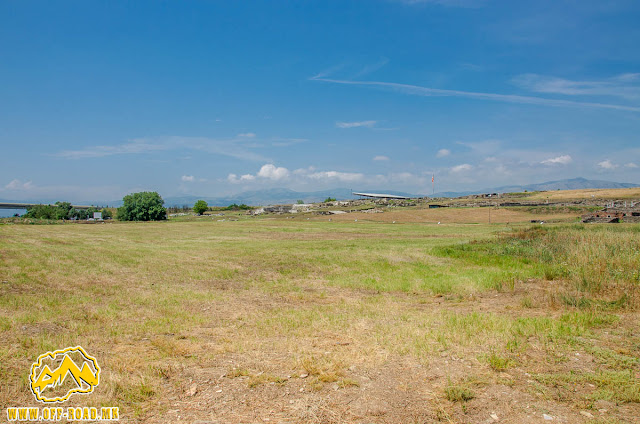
(55, 376)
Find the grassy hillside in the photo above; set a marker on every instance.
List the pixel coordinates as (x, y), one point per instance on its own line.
(605, 193)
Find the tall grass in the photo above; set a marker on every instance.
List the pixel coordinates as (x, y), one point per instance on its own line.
(601, 261)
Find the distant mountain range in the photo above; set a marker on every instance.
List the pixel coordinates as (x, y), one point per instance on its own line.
(571, 184)
(276, 196)
(568, 184)
(283, 196)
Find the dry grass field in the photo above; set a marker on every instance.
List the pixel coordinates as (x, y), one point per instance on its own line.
(453, 215)
(291, 320)
(604, 193)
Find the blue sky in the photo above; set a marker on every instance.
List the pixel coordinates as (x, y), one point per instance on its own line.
(211, 98)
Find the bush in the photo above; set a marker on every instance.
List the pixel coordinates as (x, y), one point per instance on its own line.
(329, 199)
(143, 206)
(200, 207)
(458, 393)
(235, 207)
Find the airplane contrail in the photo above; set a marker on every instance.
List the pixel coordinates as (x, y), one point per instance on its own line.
(509, 98)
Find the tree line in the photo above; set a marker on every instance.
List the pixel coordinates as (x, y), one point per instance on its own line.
(142, 206)
(64, 210)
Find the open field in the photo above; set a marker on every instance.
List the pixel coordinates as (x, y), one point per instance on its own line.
(455, 215)
(601, 193)
(295, 320)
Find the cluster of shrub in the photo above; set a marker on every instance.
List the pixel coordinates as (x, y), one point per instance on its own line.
(201, 206)
(235, 207)
(64, 210)
(178, 209)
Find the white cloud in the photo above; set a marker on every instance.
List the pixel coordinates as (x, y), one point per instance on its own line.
(462, 168)
(19, 185)
(367, 124)
(286, 142)
(417, 90)
(235, 147)
(624, 86)
(484, 147)
(304, 171)
(233, 178)
(133, 147)
(607, 164)
(247, 135)
(559, 160)
(335, 175)
(372, 68)
(266, 172)
(273, 172)
(628, 77)
(188, 178)
(443, 152)
(630, 165)
(380, 157)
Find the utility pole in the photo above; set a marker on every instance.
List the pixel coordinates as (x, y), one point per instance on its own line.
(433, 184)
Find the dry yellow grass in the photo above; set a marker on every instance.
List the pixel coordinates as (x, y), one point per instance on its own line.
(453, 215)
(292, 321)
(606, 193)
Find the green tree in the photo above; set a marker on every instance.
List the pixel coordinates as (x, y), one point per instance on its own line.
(200, 207)
(63, 210)
(74, 213)
(329, 199)
(300, 202)
(82, 214)
(106, 213)
(143, 206)
(41, 212)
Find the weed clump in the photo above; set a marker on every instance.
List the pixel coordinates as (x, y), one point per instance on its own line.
(458, 392)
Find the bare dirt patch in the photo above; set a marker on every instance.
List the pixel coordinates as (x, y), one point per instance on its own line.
(268, 386)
